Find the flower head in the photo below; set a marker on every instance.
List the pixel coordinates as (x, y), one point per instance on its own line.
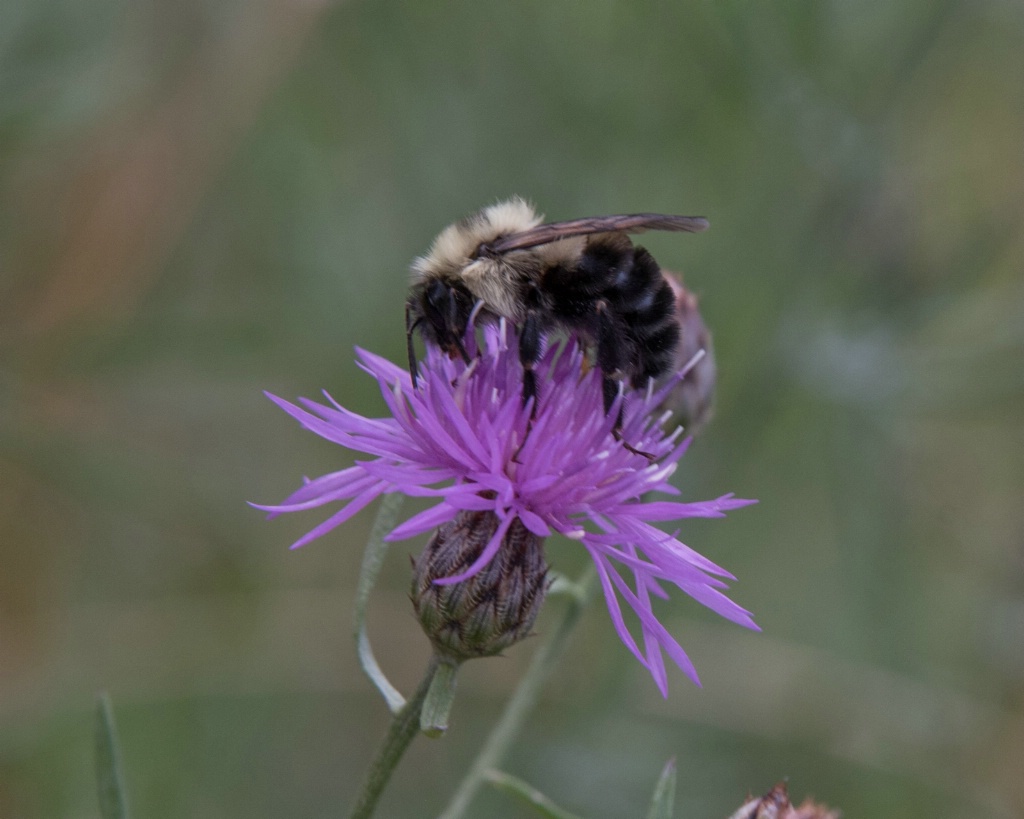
(463, 437)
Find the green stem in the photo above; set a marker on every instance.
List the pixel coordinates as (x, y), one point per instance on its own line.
(438, 705)
(404, 728)
(523, 700)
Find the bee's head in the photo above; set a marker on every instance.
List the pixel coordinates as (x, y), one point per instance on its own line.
(441, 308)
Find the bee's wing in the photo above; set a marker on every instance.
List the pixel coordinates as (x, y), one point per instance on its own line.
(624, 223)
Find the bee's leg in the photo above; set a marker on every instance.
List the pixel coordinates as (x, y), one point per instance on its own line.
(609, 360)
(530, 339)
(457, 312)
(410, 326)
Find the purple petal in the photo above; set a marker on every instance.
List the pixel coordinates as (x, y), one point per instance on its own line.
(405, 475)
(681, 574)
(433, 432)
(348, 490)
(383, 370)
(720, 604)
(470, 501)
(468, 437)
(424, 521)
(670, 510)
(310, 421)
(653, 542)
(343, 514)
(655, 662)
(539, 484)
(660, 633)
(603, 571)
(535, 523)
(326, 484)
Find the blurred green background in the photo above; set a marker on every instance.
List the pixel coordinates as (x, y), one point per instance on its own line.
(202, 200)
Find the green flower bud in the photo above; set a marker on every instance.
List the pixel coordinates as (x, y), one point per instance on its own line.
(490, 611)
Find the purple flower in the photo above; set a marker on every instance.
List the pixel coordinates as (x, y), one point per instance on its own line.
(460, 437)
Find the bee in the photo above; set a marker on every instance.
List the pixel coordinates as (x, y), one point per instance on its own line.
(582, 277)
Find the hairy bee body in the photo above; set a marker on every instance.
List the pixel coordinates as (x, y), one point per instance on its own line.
(584, 277)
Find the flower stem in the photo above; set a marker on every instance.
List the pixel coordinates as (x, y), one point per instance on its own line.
(438, 703)
(523, 700)
(404, 727)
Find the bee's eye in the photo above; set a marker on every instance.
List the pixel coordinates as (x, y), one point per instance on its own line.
(438, 295)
